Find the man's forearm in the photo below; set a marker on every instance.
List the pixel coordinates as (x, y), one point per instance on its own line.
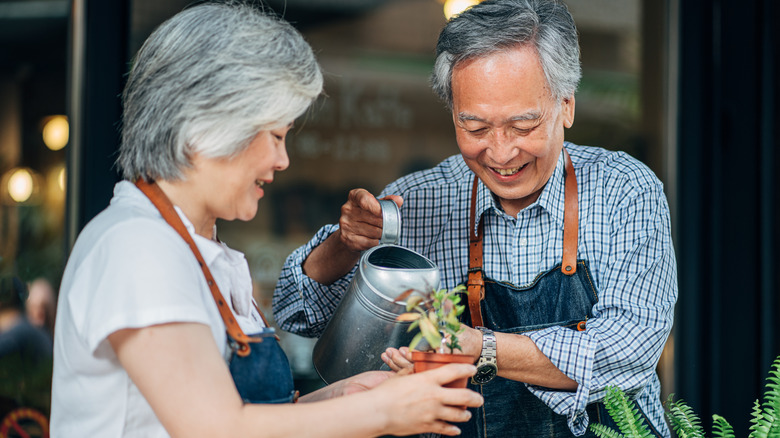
(522, 360)
(330, 260)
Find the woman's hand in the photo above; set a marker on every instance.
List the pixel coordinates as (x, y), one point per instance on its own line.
(351, 385)
(418, 403)
(398, 359)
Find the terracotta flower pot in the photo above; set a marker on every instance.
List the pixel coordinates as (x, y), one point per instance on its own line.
(424, 360)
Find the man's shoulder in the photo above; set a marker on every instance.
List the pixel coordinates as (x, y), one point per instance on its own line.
(448, 175)
(611, 167)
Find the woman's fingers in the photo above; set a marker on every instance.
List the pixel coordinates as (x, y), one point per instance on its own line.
(450, 372)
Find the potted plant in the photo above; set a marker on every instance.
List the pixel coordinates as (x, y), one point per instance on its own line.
(435, 314)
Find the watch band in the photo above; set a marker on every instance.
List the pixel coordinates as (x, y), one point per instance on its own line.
(487, 365)
(488, 354)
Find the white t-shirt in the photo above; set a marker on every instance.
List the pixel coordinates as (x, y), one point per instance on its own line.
(130, 269)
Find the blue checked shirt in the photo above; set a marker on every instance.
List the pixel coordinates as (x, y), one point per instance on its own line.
(624, 234)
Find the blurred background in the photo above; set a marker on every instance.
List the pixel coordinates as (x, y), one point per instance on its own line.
(687, 86)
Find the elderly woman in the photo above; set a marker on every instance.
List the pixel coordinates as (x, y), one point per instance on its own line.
(157, 333)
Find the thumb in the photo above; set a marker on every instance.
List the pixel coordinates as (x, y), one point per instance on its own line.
(399, 201)
(450, 372)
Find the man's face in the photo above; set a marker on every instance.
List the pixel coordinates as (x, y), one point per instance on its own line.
(508, 126)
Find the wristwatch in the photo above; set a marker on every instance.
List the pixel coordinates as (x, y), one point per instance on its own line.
(487, 366)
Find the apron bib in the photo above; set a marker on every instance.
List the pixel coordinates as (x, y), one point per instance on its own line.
(261, 371)
(263, 376)
(563, 296)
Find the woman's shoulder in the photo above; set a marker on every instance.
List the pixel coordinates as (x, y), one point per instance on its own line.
(130, 232)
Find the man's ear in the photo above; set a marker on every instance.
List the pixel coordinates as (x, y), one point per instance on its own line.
(567, 111)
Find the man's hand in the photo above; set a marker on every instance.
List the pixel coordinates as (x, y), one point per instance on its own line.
(361, 220)
(360, 228)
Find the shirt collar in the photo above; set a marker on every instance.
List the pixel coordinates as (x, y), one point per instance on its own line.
(551, 199)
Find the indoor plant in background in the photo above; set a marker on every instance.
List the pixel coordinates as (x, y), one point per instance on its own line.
(435, 315)
(765, 421)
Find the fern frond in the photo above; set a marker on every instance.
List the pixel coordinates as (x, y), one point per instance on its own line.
(602, 431)
(758, 425)
(721, 428)
(766, 417)
(772, 394)
(684, 421)
(625, 414)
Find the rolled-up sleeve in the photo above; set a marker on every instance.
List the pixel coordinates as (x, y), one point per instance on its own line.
(624, 340)
(300, 304)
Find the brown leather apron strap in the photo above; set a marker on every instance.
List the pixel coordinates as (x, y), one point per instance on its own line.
(570, 218)
(476, 283)
(164, 205)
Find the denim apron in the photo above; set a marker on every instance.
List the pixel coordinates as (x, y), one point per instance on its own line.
(260, 371)
(563, 296)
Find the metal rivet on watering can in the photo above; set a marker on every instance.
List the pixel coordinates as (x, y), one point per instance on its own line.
(391, 222)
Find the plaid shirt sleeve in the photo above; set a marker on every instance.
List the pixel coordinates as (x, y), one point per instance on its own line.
(300, 304)
(633, 317)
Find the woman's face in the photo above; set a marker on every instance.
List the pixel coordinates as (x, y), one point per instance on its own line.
(229, 188)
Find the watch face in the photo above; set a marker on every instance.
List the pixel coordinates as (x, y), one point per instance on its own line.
(485, 373)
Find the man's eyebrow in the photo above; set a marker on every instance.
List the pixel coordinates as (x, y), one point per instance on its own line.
(464, 117)
(528, 116)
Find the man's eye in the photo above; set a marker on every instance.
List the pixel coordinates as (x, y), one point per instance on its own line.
(477, 131)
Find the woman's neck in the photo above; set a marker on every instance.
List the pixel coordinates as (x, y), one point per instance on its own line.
(184, 196)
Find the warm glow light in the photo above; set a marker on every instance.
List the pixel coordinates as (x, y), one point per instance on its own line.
(56, 132)
(455, 7)
(61, 179)
(20, 185)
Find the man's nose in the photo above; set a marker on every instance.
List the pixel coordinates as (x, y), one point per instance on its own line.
(504, 147)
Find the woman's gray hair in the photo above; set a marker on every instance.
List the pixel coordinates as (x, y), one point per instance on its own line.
(208, 81)
(499, 25)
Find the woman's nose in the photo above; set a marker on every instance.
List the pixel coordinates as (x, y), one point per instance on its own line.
(282, 160)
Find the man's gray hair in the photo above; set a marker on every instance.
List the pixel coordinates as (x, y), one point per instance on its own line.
(498, 25)
(207, 81)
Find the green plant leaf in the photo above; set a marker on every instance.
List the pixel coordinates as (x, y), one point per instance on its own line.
(413, 302)
(721, 428)
(684, 421)
(430, 332)
(415, 341)
(406, 317)
(603, 431)
(625, 414)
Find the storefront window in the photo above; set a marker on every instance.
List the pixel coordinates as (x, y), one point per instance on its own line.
(378, 120)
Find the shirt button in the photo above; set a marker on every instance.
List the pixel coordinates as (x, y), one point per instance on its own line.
(522, 241)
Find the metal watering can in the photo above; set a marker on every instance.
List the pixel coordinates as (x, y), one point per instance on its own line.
(364, 324)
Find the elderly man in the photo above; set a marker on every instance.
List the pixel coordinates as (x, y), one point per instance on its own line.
(566, 249)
